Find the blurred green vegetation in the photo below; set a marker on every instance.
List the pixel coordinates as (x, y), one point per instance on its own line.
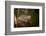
(34, 13)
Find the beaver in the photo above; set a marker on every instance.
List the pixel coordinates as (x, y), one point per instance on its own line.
(23, 21)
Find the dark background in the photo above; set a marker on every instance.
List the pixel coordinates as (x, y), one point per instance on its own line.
(33, 12)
